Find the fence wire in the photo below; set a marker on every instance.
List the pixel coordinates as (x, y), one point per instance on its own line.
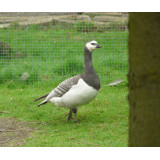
(50, 46)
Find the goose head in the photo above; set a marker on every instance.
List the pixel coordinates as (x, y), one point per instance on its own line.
(92, 45)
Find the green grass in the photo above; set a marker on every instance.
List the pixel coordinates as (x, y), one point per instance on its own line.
(53, 54)
(103, 122)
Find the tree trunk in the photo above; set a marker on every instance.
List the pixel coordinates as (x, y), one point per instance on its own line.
(144, 79)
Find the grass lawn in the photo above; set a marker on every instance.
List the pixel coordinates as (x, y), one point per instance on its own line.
(52, 55)
(103, 122)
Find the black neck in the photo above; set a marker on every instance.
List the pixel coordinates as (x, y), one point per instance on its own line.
(89, 75)
(88, 67)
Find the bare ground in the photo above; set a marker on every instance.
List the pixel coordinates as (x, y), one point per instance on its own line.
(13, 132)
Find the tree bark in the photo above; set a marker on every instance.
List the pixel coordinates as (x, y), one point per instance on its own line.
(144, 79)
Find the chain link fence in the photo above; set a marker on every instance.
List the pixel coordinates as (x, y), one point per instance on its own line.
(50, 46)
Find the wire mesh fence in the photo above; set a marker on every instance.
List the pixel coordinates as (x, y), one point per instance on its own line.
(50, 46)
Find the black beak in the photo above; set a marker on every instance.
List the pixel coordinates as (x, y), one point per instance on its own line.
(98, 46)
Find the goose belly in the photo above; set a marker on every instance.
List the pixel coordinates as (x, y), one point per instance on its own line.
(78, 95)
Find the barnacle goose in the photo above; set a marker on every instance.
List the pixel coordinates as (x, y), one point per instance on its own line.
(77, 90)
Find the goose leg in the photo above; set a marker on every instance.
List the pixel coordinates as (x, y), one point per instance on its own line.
(74, 110)
(69, 115)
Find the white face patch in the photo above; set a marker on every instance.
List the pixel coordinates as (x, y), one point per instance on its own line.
(91, 45)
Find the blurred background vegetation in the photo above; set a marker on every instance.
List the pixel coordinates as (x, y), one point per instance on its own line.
(53, 50)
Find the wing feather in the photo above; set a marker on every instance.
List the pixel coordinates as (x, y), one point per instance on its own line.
(63, 87)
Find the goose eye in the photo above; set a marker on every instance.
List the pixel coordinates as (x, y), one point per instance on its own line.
(93, 43)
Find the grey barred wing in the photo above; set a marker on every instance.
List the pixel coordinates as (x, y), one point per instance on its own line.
(63, 87)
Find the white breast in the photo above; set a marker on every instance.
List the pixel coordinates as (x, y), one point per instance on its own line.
(78, 95)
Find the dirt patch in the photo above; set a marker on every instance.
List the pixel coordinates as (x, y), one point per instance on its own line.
(13, 132)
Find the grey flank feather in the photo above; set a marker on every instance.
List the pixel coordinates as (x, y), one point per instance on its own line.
(63, 87)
